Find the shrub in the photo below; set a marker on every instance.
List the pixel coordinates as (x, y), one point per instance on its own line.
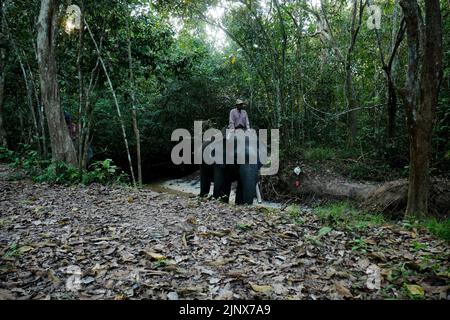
(59, 173)
(319, 154)
(346, 215)
(439, 228)
(104, 172)
(6, 155)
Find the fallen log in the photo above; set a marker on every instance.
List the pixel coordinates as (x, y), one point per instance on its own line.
(316, 185)
(391, 199)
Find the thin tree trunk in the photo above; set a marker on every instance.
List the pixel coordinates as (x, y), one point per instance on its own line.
(29, 84)
(30, 101)
(62, 146)
(40, 106)
(389, 70)
(134, 109)
(351, 104)
(349, 86)
(3, 140)
(81, 98)
(119, 113)
(89, 110)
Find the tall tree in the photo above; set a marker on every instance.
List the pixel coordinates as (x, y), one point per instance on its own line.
(389, 68)
(61, 143)
(327, 36)
(421, 94)
(3, 141)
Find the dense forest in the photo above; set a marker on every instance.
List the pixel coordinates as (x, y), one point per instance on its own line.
(91, 91)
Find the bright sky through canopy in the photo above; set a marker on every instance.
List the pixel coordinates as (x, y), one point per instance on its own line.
(216, 35)
(215, 14)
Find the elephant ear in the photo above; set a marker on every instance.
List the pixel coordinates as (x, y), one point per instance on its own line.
(212, 147)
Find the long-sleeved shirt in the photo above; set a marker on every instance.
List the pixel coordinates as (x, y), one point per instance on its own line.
(239, 118)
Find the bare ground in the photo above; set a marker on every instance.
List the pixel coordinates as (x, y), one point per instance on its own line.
(102, 242)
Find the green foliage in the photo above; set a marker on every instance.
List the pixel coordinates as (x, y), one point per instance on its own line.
(295, 213)
(319, 154)
(345, 215)
(12, 251)
(25, 158)
(6, 155)
(59, 173)
(243, 226)
(365, 170)
(359, 245)
(438, 227)
(104, 172)
(293, 82)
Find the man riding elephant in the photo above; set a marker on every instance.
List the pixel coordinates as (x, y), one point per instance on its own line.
(224, 174)
(239, 117)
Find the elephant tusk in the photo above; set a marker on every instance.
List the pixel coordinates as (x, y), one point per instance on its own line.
(258, 194)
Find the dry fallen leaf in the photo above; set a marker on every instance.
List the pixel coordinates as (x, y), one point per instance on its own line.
(155, 256)
(260, 289)
(25, 249)
(415, 290)
(374, 277)
(53, 278)
(117, 247)
(342, 290)
(6, 295)
(363, 263)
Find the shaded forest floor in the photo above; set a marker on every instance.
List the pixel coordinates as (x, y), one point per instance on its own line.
(101, 242)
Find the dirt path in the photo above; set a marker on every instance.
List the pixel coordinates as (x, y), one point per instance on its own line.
(101, 242)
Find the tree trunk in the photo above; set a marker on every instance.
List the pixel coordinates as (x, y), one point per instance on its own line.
(396, 39)
(40, 106)
(349, 86)
(3, 141)
(419, 173)
(351, 105)
(61, 143)
(392, 109)
(30, 101)
(389, 68)
(137, 134)
(421, 95)
(116, 102)
(81, 100)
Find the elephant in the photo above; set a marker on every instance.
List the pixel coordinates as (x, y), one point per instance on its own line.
(223, 175)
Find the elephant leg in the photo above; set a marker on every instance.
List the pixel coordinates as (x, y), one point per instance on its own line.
(205, 181)
(226, 190)
(248, 177)
(222, 184)
(239, 194)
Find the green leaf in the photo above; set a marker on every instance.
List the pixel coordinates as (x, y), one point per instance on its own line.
(324, 231)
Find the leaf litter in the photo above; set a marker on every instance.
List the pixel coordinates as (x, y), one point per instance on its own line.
(117, 243)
